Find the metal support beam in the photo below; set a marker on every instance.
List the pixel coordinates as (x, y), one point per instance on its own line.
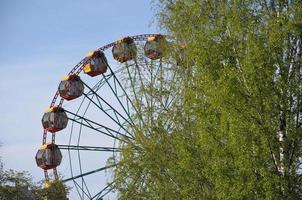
(88, 173)
(88, 148)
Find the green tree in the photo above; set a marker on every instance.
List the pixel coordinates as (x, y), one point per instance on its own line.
(53, 190)
(19, 186)
(247, 82)
(16, 185)
(237, 132)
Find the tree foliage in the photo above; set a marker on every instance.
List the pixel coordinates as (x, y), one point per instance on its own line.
(237, 125)
(53, 190)
(16, 185)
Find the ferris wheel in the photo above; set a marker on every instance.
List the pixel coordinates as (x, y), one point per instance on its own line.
(101, 106)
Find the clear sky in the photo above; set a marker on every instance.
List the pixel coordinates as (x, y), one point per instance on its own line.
(41, 40)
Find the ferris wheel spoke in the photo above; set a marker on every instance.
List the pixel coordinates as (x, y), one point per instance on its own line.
(81, 191)
(106, 111)
(161, 80)
(117, 82)
(79, 156)
(91, 124)
(101, 106)
(83, 182)
(99, 84)
(149, 110)
(78, 188)
(111, 186)
(167, 102)
(90, 172)
(84, 185)
(100, 99)
(137, 100)
(170, 100)
(99, 126)
(88, 148)
(114, 89)
(99, 195)
(152, 83)
(137, 68)
(136, 108)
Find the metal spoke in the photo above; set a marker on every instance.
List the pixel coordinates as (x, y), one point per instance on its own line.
(77, 188)
(166, 104)
(78, 152)
(105, 111)
(134, 93)
(103, 100)
(83, 181)
(83, 191)
(141, 82)
(69, 154)
(88, 148)
(101, 197)
(114, 90)
(89, 124)
(99, 105)
(103, 80)
(153, 78)
(100, 84)
(127, 96)
(97, 196)
(88, 173)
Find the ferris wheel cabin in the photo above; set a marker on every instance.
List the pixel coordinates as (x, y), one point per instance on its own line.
(124, 50)
(97, 63)
(71, 87)
(155, 47)
(48, 156)
(54, 119)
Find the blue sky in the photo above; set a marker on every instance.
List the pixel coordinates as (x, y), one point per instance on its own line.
(40, 42)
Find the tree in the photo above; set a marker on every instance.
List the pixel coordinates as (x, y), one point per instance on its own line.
(238, 133)
(20, 186)
(16, 185)
(53, 190)
(248, 85)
